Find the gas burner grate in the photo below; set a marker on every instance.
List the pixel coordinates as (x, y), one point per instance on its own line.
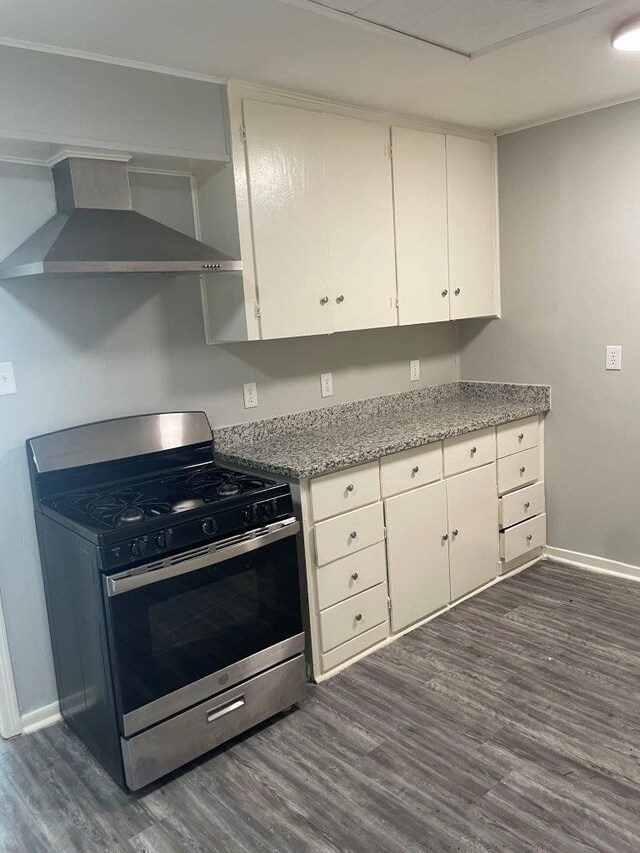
(119, 506)
(212, 484)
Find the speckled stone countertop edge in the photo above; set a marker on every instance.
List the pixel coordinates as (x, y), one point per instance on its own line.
(257, 458)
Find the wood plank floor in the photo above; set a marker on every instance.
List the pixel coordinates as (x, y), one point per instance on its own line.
(511, 724)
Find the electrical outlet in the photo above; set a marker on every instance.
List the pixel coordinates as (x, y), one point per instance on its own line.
(326, 384)
(250, 391)
(414, 370)
(613, 358)
(7, 379)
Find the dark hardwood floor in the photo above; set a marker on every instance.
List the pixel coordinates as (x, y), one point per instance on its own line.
(511, 724)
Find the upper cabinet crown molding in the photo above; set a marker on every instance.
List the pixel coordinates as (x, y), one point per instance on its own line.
(346, 223)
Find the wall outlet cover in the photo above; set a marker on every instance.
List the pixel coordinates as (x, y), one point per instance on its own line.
(250, 392)
(326, 384)
(414, 370)
(7, 379)
(613, 358)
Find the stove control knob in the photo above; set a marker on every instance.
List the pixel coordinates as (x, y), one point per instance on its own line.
(269, 509)
(209, 526)
(138, 547)
(162, 540)
(249, 514)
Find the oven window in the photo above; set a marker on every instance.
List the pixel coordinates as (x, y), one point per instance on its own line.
(170, 633)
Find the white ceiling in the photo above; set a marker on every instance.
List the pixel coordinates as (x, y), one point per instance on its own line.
(299, 45)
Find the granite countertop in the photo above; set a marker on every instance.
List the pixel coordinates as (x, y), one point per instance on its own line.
(311, 443)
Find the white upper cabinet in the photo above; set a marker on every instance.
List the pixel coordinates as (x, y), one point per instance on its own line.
(420, 205)
(471, 192)
(288, 214)
(360, 222)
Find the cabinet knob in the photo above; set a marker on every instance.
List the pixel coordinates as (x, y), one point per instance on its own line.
(353, 534)
(522, 470)
(358, 617)
(521, 436)
(350, 487)
(454, 532)
(527, 504)
(415, 469)
(354, 576)
(474, 450)
(445, 536)
(529, 537)
(324, 300)
(445, 292)
(457, 291)
(339, 299)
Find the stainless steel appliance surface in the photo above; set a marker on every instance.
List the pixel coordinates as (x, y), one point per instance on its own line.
(95, 231)
(172, 589)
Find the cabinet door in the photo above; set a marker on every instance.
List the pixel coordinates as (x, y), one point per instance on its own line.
(288, 216)
(420, 206)
(417, 553)
(472, 504)
(360, 223)
(471, 192)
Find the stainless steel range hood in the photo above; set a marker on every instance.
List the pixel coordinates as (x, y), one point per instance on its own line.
(95, 231)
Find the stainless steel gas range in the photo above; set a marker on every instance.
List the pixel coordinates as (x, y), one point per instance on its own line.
(172, 590)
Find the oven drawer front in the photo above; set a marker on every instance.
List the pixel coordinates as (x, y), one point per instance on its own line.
(354, 616)
(169, 745)
(342, 491)
(348, 533)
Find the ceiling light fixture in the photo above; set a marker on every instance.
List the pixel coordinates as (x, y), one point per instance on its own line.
(627, 36)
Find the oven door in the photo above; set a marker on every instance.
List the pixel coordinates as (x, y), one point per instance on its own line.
(196, 623)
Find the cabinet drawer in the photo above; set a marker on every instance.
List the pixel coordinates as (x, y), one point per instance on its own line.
(517, 470)
(348, 533)
(520, 435)
(354, 616)
(353, 647)
(342, 491)
(469, 451)
(351, 575)
(518, 506)
(410, 468)
(524, 537)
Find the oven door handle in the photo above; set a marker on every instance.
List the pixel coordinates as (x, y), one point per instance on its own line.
(217, 552)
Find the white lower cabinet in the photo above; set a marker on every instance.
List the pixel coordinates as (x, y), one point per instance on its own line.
(472, 506)
(417, 553)
(454, 516)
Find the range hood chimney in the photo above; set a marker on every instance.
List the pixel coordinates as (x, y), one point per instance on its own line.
(95, 231)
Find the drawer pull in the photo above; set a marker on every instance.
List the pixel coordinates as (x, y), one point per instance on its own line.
(350, 487)
(522, 470)
(415, 469)
(521, 436)
(353, 534)
(444, 292)
(339, 299)
(225, 709)
(354, 576)
(445, 536)
(473, 450)
(527, 504)
(358, 617)
(454, 532)
(457, 291)
(529, 537)
(324, 300)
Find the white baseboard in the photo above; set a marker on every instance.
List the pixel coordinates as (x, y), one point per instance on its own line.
(593, 564)
(40, 718)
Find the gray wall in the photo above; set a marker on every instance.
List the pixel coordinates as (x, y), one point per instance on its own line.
(87, 350)
(570, 253)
